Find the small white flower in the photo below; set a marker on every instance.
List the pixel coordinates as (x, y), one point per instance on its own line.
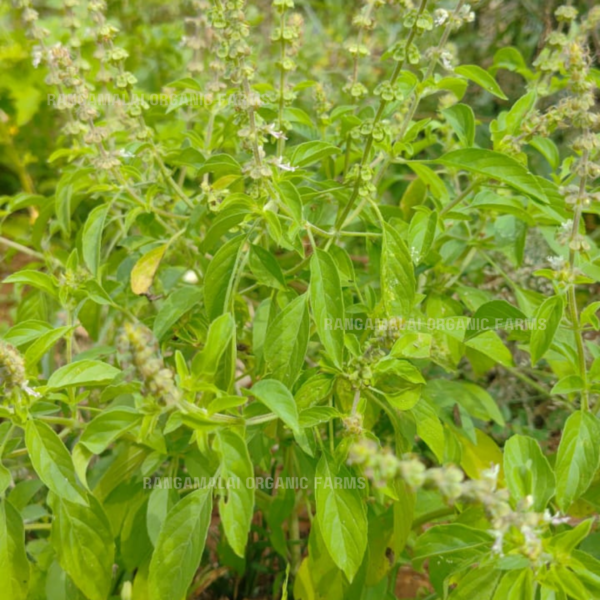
(31, 392)
(440, 16)
(125, 153)
(556, 262)
(446, 59)
(566, 226)
(491, 475)
(190, 277)
(37, 55)
(278, 135)
(466, 14)
(556, 519)
(283, 165)
(498, 543)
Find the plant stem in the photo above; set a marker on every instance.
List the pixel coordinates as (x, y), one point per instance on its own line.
(19, 248)
(382, 106)
(281, 139)
(38, 526)
(418, 95)
(571, 295)
(470, 188)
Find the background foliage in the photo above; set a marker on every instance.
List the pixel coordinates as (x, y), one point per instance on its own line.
(299, 240)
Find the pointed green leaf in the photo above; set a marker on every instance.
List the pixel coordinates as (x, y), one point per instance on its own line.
(14, 566)
(528, 472)
(83, 542)
(327, 305)
(52, 461)
(482, 78)
(220, 276)
(287, 340)
(180, 545)
(578, 457)
(91, 240)
(82, 373)
(398, 283)
(546, 321)
(275, 396)
(342, 516)
(237, 508)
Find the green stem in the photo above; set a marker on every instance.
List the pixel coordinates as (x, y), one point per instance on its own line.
(472, 187)
(418, 95)
(20, 248)
(572, 295)
(382, 106)
(281, 140)
(38, 526)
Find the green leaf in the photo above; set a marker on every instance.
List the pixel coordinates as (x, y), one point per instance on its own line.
(180, 545)
(474, 399)
(52, 461)
(310, 152)
(82, 373)
(91, 239)
(548, 149)
(311, 417)
(186, 83)
(220, 334)
(478, 583)
(36, 351)
(287, 340)
(291, 198)
(161, 501)
(577, 458)
(546, 321)
(566, 541)
(490, 344)
(342, 516)
(516, 585)
(5, 479)
(14, 566)
(454, 541)
(25, 332)
(398, 283)
(495, 165)
(327, 305)
(220, 165)
(404, 512)
(142, 274)
(109, 425)
(482, 78)
(220, 277)
(266, 268)
(174, 307)
(571, 384)
(528, 472)
(84, 545)
(36, 279)
(431, 179)
(279, 400)
(462, 120)
(497, 314)
(237, 508)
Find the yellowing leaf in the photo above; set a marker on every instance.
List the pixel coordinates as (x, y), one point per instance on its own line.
(145, 268)
(479, 457)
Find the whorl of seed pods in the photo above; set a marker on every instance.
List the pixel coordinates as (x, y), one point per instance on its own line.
(138, 347)
(12, 367)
